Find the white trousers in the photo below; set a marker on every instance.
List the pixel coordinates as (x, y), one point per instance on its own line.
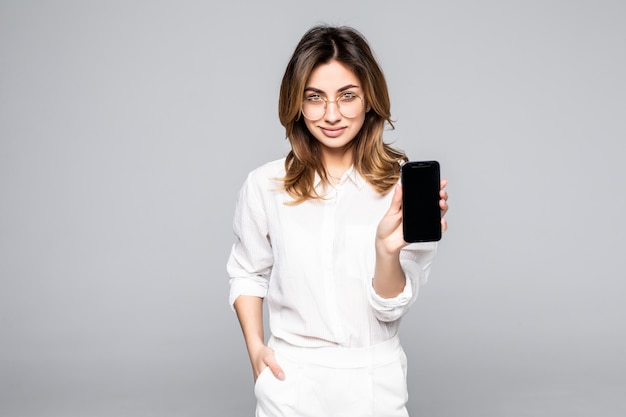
(335, 382)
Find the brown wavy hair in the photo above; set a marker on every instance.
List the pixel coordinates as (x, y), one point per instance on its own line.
(376, 161)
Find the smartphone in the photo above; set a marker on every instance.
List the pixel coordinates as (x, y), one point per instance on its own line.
(421, 214)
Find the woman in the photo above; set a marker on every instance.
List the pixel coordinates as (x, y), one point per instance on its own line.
(319, 235)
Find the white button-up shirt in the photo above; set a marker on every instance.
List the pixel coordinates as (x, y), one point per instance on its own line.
(314, 262)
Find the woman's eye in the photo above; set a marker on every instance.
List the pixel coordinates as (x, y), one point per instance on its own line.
(314, 97)
(348, 96)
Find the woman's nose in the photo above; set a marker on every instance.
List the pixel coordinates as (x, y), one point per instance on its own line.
(332, 114)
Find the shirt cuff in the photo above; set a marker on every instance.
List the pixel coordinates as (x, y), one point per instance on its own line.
(400, 300)
(256, 287)
(391, 309)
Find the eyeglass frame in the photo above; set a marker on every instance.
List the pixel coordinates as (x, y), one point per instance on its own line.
(336, 101)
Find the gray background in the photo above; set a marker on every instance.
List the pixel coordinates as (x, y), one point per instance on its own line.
(127, 128)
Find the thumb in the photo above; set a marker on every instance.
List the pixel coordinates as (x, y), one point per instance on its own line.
(396, 200)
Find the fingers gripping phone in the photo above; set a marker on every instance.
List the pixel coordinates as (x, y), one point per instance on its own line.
(421, 214)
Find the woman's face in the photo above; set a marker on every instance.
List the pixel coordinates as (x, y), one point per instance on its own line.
(333, 81)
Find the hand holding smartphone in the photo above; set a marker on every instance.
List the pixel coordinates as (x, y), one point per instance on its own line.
(421, 214)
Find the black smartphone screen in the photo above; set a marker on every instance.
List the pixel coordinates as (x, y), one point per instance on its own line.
(421, 214)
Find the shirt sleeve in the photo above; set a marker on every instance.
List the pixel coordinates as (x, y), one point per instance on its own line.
(250, 262)
(416, 261)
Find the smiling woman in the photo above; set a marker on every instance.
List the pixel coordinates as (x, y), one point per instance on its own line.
(319, 235)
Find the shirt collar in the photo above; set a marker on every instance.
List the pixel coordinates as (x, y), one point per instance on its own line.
(350, 175)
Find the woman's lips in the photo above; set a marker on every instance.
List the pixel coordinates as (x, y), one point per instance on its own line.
(333, 132)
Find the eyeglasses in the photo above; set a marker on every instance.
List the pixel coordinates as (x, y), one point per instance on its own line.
(349, 105)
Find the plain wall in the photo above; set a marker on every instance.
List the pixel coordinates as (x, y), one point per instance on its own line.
(127, 128)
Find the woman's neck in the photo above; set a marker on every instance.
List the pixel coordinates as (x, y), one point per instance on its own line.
(337, 162)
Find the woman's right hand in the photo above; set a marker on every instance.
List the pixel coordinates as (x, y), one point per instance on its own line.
(264, 358)
(250, 313)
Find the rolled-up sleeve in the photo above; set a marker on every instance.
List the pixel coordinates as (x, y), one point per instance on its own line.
(416, 261)
(250, 262)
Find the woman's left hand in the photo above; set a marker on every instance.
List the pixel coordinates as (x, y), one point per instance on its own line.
(389, 235)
